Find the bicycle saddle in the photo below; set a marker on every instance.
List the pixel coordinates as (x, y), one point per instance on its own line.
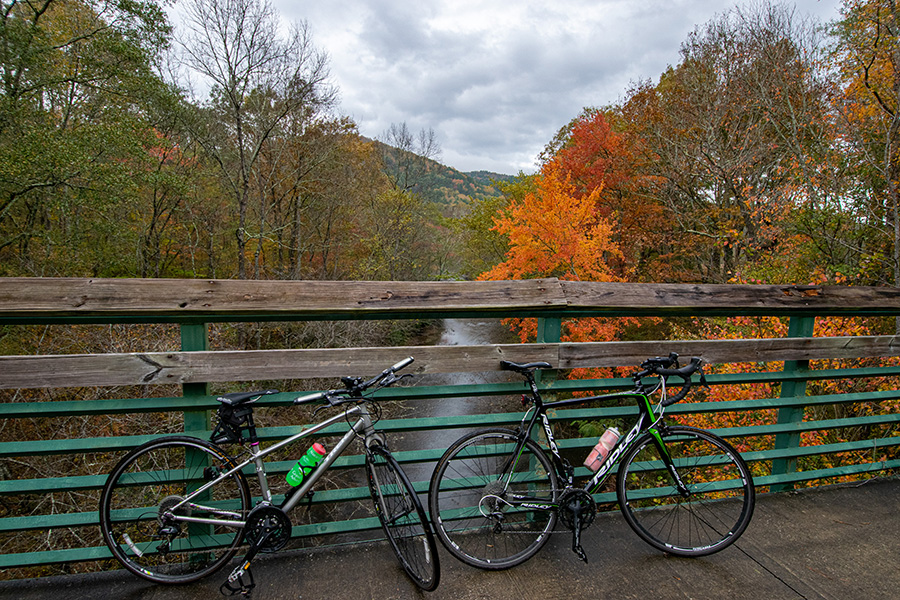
(506, 365)
(238, 398)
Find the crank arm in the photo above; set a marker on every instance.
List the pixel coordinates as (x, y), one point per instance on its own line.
(235, 582)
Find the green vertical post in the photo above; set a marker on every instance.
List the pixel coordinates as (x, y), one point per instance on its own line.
(798, 327)
(195, 338)
(549, 331)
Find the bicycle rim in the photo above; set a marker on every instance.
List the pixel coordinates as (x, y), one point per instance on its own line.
(471, 493)
(403, 518)
(155, 477)
(716, 511)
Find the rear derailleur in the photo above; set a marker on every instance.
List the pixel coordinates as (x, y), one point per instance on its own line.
(577, 510)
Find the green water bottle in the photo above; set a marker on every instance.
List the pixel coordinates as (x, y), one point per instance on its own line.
(306, 464)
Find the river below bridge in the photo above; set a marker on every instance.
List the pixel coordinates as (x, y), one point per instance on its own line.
(455, 332)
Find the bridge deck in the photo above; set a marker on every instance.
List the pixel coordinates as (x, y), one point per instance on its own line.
(840, 543)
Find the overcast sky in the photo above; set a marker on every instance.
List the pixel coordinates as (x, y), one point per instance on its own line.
(497, 79)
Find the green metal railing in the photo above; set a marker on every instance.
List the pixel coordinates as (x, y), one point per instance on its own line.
(778, 465)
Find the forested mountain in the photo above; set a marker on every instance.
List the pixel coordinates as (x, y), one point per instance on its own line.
(452, 190)
(456, 190)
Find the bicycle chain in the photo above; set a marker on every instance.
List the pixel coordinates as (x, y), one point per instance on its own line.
(572, 499)
(574, 493)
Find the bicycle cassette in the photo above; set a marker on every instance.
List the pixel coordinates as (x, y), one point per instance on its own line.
(577, 506)
(269, 520)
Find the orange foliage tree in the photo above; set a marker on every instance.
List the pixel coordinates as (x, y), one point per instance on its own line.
(556, 232)
(559, 231)
(774, 327)
(867, 50)
(604, 156)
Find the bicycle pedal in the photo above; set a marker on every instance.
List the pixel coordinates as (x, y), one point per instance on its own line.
(576, 541)
(579, 551)
(239, 587)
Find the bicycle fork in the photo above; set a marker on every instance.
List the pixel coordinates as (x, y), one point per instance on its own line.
(683, 490)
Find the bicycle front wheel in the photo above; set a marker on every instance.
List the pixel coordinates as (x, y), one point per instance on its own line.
(142, 500)
(716, 507)
(493, 508)
(402, 517)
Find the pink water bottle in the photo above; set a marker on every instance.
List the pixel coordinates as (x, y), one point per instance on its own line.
(601, 450)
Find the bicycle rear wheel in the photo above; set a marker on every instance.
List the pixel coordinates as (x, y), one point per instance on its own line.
(716, 510)
(471, 499)
(147, 484)
(402, 517)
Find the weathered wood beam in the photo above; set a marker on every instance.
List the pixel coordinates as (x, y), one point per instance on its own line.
(25, 299)
(613, 354)
(88, 370)
(45, 300)
(689, 299)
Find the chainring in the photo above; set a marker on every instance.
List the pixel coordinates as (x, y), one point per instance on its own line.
(579, 501)
(264, 519)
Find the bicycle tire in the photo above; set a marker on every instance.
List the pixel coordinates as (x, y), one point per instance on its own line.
(467, 479)
(403, 518)
(158, 473)
(721, 500)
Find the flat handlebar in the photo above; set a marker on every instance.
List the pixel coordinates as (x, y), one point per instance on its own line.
(354, 386)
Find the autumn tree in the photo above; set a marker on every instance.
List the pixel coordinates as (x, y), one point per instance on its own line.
(324, 175)
(399, 239)
(75, 117)
(260, 80)
(728, 131)
(867, 50)
(601, 154)
(555, 231)
(175, 212)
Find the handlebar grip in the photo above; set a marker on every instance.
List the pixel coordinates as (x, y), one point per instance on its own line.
(685, 371)
(670, 400)
(402, 364)
(310, 398)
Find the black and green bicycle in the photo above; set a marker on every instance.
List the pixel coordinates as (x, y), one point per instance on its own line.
(496, 495)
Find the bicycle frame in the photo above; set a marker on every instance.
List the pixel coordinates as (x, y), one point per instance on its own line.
(362, 427)
(647, 421)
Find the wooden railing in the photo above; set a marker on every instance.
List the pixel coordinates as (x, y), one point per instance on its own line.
(194, 304)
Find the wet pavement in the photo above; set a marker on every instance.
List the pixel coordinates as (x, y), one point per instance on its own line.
(834, 543)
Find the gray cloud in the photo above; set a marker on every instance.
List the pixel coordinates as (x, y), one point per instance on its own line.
(496, 80)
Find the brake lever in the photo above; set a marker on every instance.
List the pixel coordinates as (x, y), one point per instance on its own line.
(330, 404)
(394, 378)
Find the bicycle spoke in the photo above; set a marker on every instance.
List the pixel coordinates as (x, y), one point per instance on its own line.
(473, 495)
(720, 496)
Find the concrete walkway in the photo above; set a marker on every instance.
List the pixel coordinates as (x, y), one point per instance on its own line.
(836, 543)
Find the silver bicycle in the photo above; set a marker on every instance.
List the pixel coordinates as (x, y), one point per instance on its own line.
(178, 508)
